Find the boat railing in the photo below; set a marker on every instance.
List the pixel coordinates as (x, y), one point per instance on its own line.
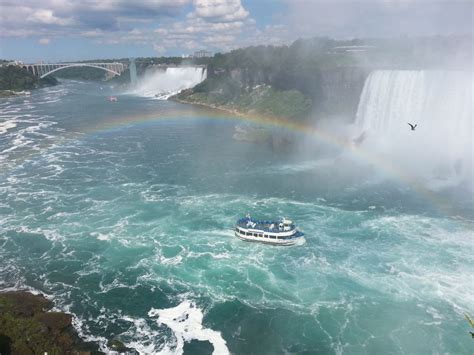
(260, 225)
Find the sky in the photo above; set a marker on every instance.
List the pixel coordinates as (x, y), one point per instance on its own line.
(66, 30)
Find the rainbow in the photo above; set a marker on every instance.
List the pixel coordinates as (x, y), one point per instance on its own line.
(120, 122)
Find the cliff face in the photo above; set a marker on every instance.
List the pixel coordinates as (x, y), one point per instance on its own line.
(334, 91)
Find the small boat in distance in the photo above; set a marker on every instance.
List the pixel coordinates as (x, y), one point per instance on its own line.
(283, 232)
(113, 98)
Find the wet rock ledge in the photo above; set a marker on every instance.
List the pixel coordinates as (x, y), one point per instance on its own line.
(28, 327)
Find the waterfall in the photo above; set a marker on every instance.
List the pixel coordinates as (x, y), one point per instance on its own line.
(439, 102)
(133, 72)
(161, 84)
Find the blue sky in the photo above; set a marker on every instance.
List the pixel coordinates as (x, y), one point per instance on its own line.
(54, 30)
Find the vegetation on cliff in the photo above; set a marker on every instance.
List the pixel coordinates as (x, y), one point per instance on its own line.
(282, 81)
(327, 73)
(18, 79)
(27, 327)
(262, 99)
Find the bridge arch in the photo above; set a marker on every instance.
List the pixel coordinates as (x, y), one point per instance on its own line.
(79, 65)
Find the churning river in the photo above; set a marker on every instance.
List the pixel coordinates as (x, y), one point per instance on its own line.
(123, 213)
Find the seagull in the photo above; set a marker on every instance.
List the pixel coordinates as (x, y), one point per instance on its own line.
(412, 127)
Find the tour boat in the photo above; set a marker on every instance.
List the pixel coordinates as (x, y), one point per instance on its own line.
(283, 232)
(113, 98)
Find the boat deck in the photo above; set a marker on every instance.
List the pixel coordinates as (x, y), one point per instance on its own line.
(267, 226)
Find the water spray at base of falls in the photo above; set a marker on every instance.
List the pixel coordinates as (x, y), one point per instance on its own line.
(440, 102)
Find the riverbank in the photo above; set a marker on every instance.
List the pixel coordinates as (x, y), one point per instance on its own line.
(29, 326)
(223, 108)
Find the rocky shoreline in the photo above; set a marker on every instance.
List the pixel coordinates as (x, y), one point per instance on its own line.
(28, 326)
(207, 105)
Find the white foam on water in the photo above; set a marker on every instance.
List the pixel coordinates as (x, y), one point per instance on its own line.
(171, 261)
(100, 236)
(412, 275)
(143, 337)
(303, 166)
(80, 325)
(51, 235)
(185, 320)
(7, 125)
(300, 241)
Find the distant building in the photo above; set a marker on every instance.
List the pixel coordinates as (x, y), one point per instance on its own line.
(14, 63)
(202, 54)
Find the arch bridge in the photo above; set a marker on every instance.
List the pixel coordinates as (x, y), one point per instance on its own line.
(41, 70)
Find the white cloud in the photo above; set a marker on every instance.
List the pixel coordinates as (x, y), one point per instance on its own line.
(47, 17)
(220, 10)
(161, 31)
(85, 15)
(92, 34)
(158, 48)
(220, 25)
(216, 25)
(44, 41)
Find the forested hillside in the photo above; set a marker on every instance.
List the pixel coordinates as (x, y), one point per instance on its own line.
(17, 79)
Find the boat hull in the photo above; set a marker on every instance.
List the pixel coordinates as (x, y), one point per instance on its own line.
(267, 240)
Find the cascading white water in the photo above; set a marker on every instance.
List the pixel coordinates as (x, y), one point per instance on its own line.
(439, 102)
(162, 84)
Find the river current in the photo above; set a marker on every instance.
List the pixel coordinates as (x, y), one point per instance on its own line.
(127, 223)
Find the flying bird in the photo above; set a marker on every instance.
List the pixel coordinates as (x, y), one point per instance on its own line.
(412, 126)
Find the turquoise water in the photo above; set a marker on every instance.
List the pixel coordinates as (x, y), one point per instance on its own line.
(117, 224)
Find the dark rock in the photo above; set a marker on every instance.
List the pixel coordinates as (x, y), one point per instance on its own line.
(5, 345)
(26, 327)
(24, 304)
(118, 346)
(55, 320)
(196, 347)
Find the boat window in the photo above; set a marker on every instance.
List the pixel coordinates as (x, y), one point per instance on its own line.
(273, 237)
